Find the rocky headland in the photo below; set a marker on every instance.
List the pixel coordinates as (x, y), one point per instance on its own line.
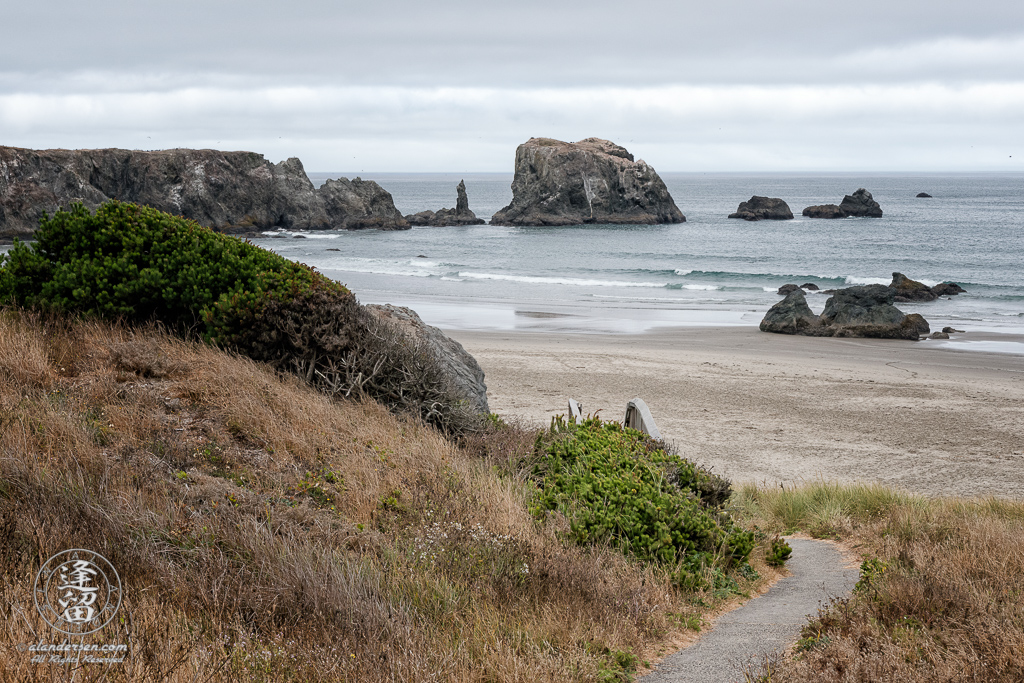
(238, 192)
(866, 311)
(460, 215)
(860, 203)
(763, 208)
(590, 181)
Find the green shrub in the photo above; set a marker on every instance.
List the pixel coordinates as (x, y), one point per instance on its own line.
(616, 485)
(778, 552)
(137, 263)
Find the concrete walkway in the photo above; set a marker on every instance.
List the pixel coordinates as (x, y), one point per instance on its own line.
(764, 624)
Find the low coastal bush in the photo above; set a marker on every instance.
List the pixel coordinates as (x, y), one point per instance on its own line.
(618, 486)
(138, 264)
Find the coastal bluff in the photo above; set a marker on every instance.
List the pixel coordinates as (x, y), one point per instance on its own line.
(590, 181)
(226, 191)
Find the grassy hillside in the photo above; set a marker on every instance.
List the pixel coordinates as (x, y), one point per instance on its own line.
(266, 532)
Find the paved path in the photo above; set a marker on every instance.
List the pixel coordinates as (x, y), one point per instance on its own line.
(764, 624)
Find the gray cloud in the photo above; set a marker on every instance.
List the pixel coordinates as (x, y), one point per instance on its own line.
(739, 85)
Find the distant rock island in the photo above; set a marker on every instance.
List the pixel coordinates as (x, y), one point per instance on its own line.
(228, 191)
(860, 203)
(590, 181)
(763, 208)
(460, 215)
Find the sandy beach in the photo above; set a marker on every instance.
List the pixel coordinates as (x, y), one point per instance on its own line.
(925, 416)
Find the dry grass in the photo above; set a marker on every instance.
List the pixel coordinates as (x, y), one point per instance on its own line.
(943, 602)
(266, 532)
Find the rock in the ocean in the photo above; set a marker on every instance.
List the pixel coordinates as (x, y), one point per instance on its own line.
(591, 181)
(763, 208)
(460, 215)
(852, 312)
(950, 330)
(939, 335)
(824, 211)
(231, 191)
(905, 289)
(867, 311)
(948, 289)
(810, 286)
(465, 373)
(861, 203)
(923, 195)
(786, 289)
(792, 315)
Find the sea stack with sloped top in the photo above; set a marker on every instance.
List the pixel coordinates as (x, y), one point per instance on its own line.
(590, 181)
(460, 215)
(230, 191)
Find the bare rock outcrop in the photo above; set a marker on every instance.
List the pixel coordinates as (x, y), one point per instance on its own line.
(824, 211)
(860, 203)
(230, 191)
(763, 208)
(866, 311)
(590, 181)
(460, 215)
(905, 289)
(466, 375)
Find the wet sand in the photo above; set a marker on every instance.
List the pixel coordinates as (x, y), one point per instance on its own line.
(924, 416)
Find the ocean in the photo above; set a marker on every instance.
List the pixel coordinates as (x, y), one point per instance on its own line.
(710, 270)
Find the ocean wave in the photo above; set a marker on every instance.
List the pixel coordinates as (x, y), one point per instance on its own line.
(701, 288)
(542, 280)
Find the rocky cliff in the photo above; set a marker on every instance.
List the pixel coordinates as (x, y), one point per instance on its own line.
(591, 181)
(222, 190)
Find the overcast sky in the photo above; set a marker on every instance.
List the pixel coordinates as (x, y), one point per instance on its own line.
(421, 85)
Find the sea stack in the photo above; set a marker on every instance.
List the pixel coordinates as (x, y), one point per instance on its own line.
(763, 208)
(590, 181)
(860, 203)
(865, 311)
(460, 215)
(229, 191)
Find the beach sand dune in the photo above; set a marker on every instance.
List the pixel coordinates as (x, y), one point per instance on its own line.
(777, 409)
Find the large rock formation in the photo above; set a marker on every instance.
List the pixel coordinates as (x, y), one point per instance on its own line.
(235, 191)
(460, 215)
(860, 203)
(852, 312)
(591, 181)
(761, 208)
(465, 373)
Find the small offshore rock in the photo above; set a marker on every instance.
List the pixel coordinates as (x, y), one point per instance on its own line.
(948, 289)
(939, 335)
(810, 286)
(298, 237)
(824, 211)
(786, 289)
(922, 195)
(763, 208)
(905, 289)
(861, 203)
(460, 215)
(950, 330)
